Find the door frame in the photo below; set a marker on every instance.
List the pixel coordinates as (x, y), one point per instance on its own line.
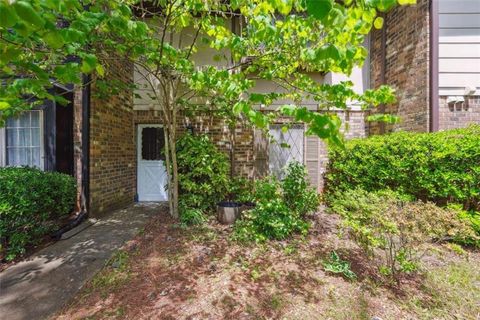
(138, 129)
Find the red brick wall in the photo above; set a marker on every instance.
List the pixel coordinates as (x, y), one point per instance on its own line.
(112, 145)
(244, 153)
(407, 65)
(219, 132)
(459, 115)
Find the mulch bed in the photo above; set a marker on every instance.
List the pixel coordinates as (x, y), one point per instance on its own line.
(199, 273)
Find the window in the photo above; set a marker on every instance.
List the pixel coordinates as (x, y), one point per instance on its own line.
(21, 141)
(284, 147)
(153, 142)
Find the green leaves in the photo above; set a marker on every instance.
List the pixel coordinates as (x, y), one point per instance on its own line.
(442, 167)
(8, 17)
(382, 5)
(54, 39)
(378, 23)
(28, 14)
(89, 63)
(319, 9)
(406, 2)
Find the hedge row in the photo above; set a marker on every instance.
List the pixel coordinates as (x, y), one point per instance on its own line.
(31, 204)
(443, 167)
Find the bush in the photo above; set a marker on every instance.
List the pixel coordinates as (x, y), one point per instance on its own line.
(473, 218)
(388, 222)
(191, 216)
(203, 172)
(241, 190)
(31, 202)
(442, 167)
(278, 213)
(297, 192)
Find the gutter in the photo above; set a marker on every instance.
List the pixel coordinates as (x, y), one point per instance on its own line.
(86, 93)
(433, 68)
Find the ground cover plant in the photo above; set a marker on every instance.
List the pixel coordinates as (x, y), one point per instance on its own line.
(392, 230)
(32, 202)
(281, 207)
(199, 273)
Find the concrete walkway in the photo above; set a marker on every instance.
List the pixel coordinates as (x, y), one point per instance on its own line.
(41, 285)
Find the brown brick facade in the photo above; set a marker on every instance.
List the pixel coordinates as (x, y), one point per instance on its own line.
(218, 131)
(112, 146)
(459, 115)
(406, 65)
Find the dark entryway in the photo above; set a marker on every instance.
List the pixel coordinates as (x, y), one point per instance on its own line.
(64, 135)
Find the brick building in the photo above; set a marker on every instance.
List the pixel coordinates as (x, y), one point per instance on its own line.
(430, 53)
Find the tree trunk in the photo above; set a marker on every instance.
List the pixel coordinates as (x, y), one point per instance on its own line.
(169, 169)
(175, 199)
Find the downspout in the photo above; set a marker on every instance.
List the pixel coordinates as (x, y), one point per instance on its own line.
(383, 59)
(433, 69)
(86, 92)
(85, 188)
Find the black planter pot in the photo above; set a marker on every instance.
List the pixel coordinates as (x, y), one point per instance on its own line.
(228, 211)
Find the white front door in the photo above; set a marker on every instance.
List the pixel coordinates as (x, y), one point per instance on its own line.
(151, 173)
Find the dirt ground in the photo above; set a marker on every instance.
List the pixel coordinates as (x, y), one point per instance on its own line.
(173, 272)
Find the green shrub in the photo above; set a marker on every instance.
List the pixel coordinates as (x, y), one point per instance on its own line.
(241, 190)
(473, 218)
(387, 222)
(190, 216)
(203, 172)
(278, 213)
(442, 167)
(297, 192)
(31, 202)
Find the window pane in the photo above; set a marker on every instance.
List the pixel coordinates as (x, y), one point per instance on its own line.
(24, 140)
(23, 137)
(285, 147)
(35, 118)
(35, 136)
(36, 158)
(12, 137)
(153, 141)
(25, 119)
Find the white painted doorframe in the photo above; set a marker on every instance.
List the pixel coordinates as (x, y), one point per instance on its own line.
(151, 174)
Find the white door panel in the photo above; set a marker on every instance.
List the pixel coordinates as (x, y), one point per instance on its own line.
(151, 173)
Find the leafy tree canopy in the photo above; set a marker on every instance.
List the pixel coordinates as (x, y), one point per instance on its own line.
(47, 41)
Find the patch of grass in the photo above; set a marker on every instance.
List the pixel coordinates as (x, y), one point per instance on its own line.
(452, 290)
(291, 249)
(114, 274)
(255, 273)
(274, 302)
(201, 234)
(456, 248)
(347, 306)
